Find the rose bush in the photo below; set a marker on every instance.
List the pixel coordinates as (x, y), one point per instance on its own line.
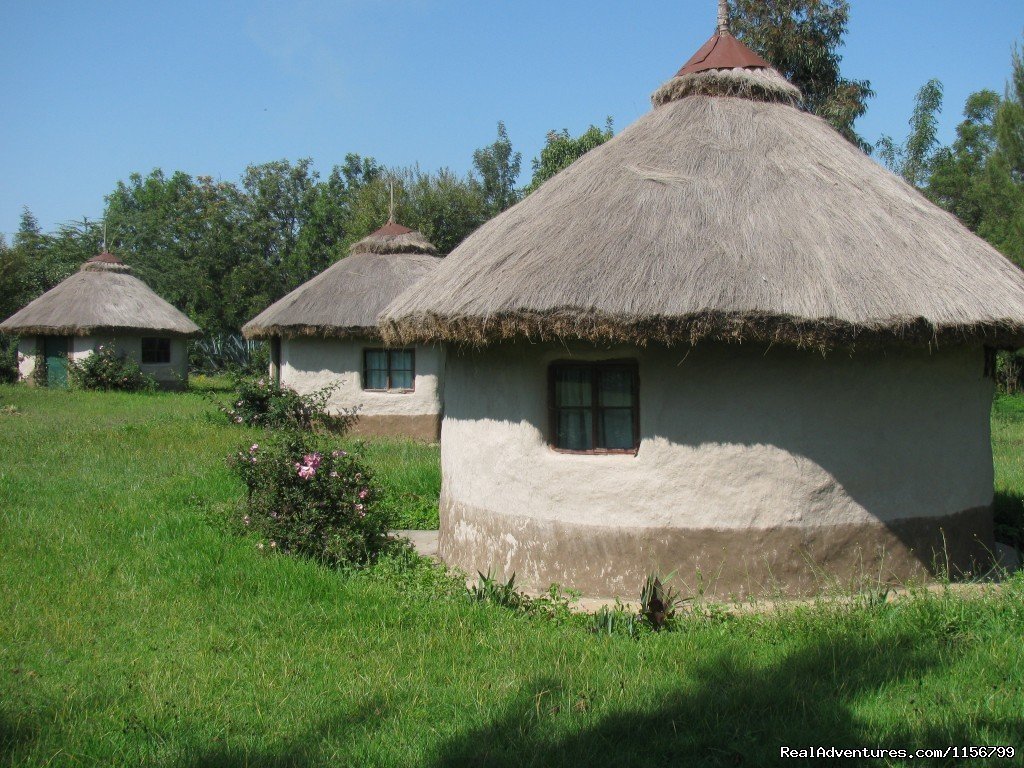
(305, 498)
(264, 403)
(106, 369)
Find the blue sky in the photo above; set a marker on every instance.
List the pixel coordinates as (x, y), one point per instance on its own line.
(92, 91)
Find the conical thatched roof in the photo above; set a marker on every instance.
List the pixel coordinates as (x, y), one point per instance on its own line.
(347, 298)
(726, 212)
(103, 297)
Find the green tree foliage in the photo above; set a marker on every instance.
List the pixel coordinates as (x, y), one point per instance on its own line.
(13, 269)
(183, 237)
(443, 206)
(914, 158)
(36, 261)
(498, 166)
(980, 177)
(223, 251)
(802, 38)
(958, 177)
(561, 150)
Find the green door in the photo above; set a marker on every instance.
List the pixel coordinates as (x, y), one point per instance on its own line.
(55, 350)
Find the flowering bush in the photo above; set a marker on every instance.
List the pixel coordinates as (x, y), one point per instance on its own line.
(263, 403)
(307, 500)
(107, 370)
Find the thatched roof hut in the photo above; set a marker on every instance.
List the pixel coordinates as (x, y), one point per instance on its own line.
(325, 332)
(346, 299)
(102, 303)
(102, 298)
(603, 420)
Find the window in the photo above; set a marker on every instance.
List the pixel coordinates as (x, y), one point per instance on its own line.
(389, 369)
(156, 351)
(594, 407)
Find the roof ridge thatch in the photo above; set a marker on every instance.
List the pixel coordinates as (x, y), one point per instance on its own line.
(724, 66)
(394, 238)
(102, 297)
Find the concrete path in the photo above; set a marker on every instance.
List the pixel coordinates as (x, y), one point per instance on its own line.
(424, 542)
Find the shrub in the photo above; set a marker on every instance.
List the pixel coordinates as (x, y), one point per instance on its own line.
(228, 353)
(106, 369)
(1009, 372)
(8, 359)
(306, 500)
(263, 403)
(658, 602)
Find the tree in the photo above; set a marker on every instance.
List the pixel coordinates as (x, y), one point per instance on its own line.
(956, 182)
(13, 276)
(980, 178)
(913, 159)
(443, 206)
(183, 236)
(801, 39)
(1003, 221)
(1009, 121)
(323, 236)
(499, 168)
(561, 150)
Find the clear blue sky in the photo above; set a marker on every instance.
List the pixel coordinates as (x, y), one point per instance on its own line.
(92, 91)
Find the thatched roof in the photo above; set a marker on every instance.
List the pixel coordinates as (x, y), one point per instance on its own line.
(726, 212)
(103, 297)
(346, 299)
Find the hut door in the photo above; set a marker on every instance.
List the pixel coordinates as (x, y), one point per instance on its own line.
(55, 350)
(275, 360)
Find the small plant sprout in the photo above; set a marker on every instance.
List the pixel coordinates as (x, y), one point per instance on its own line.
(658, 602)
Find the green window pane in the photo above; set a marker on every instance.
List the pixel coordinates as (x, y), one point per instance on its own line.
(573, 386)
(402, 372)
(616, 388)
(615, 428)
(376, 379)
(375, 375)
(401, 379)
(575, 429)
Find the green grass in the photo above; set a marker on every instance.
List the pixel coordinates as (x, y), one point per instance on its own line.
(134, 632)
(1008, 456)
(204, 382)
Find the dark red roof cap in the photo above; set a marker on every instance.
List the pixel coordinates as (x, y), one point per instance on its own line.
(722, 51)
(105, 258)
(391, 229)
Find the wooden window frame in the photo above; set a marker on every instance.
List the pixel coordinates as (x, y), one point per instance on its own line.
(628, 364)
(159, 340)
(390, 389)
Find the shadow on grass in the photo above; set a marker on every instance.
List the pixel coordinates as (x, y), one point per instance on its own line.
(15, 736)
(299, 750)
(1008, 510)
(737, 714)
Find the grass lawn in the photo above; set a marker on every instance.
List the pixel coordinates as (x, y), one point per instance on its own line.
(135, 632)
